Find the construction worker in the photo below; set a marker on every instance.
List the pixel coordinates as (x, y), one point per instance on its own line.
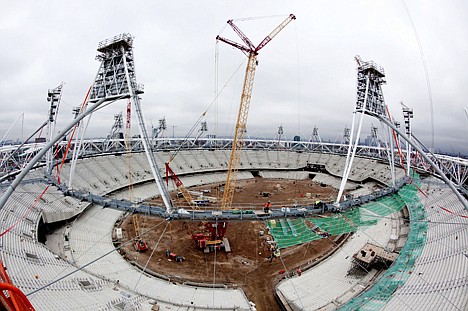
(267, 207)
(275, 253)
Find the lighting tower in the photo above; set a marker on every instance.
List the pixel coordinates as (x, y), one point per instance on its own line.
(116, 130)
(280, 133)
(346, 135)
(76, 112)
(407, 116)
(251, 52)
(370, 100)
(344, 140)
(161, 128)
(53, 96)
(315, 135)
(375, 140)
(317, 139)
(203, 127)
(116, 80)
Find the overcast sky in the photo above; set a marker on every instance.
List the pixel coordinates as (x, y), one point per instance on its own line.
(306, 76)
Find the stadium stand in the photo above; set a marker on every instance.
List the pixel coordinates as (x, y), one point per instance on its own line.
(431, 269)
(90, 237)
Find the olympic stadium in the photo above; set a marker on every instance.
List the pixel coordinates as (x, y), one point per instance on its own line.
(396, 216)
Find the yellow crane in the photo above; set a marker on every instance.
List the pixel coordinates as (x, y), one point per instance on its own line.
(139, 245)
(251, 52)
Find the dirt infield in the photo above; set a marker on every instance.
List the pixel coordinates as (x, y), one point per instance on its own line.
(248, 265)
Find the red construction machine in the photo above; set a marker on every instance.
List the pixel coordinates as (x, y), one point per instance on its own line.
(139, 245)
(213, 237)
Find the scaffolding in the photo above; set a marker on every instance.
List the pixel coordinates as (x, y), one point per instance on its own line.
(380, 293)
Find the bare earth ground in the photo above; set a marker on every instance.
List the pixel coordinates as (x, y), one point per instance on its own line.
(247, 266)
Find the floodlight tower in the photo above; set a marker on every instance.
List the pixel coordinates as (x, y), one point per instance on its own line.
(375, 140)
(279, 133)
(407, 116)
(116, 80)
(203, 129)
(53, 96)
(161, 128)
(370, 78)
(76, 112)
(315, 135)
(370, 101)
(317, 139)
(116, 130)
(346, 135)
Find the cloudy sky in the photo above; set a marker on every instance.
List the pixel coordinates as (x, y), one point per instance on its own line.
(306, 76)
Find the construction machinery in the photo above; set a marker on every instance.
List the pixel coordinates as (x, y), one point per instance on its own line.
(180, 186)
(251, 52)
(213, 237)
(139, 245)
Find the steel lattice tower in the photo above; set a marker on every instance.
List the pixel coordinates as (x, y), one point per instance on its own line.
(54, 96)
(317, 139)
(116, 80)
(369, 100)
(407, 116)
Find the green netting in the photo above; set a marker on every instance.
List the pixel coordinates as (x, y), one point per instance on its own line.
(385, 206)
(293, 232)
(298, 231)
(380, 293)
(360, 217)
(334, 225)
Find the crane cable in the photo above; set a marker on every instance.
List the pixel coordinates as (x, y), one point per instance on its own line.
(258, 17)
(47, 188)
(91, 262)
(200, 118)
(149, 258)
(426, 72)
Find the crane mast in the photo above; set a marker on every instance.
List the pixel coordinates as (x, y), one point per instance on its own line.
(252, 52)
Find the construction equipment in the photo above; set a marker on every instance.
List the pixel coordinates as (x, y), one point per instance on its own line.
(251, 52)
(173, 256)
(139, 245)
(213, 238)
(180, 186)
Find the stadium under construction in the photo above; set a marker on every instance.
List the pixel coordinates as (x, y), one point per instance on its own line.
(85, 222)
